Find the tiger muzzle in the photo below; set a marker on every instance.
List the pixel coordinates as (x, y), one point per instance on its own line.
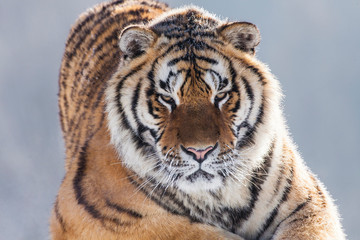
(198, 129)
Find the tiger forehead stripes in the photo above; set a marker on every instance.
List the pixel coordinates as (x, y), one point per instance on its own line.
(174, 130)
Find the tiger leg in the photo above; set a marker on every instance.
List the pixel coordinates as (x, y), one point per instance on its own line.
(150, 228)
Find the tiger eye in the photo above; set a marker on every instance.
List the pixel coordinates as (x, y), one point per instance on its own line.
(166, 98)
(221, 95)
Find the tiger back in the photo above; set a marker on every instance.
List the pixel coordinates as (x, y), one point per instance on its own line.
(174, 130)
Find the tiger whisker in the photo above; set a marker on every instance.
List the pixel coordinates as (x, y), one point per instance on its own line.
(170, 181)
(148, 180)
(235, 179)
(168, 152)
(150, 194)
(246, 177)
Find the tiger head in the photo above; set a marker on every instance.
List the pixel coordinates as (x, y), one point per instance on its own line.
(188, 100)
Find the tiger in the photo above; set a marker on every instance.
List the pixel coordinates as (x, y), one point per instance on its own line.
(173, 129)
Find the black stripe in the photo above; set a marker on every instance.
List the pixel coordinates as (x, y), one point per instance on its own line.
(80, 173)
(125, 121)
(80, 195)
(259, 178)
(177, 60)
(171, 74)
(236, 107)
(104, 13)
(248, 138)
(134, 103)
(149, 93)
(319, 191)
(203, 213)
(62, 118)
(84, 34)
(297, 209)
(190, 56)
(89, 92)
(115, 33)
(248, 90)
(165, 84)
(165, 24)
(160, 136)
(111, 38)
(83, 23)
(275, 211)
(74, 138)
(186, 25)
(104, 20)
(90, 17)
(140, 145)
(59, 216)
(259, 118)
(121, 209)
(279, 180)
(154, 134)
(99, 98)
(164, 198)
(86, 103)
(235, 89)
(256, 71)
(181, 45)
(237, 216)
(171, 31)
(222, 82)
(179, 32)
(206, 59)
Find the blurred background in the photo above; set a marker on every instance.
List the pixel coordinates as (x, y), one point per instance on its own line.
(313, 47)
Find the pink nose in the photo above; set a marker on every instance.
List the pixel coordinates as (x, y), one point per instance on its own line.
(199, 154)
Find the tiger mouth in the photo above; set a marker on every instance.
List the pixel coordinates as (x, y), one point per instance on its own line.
(199, 174)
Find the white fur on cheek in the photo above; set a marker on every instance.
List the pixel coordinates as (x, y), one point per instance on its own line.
(121, 137)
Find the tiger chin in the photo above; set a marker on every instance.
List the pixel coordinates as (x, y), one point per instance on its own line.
(174, 130)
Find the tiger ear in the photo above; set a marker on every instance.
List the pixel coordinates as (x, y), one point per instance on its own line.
(242, 35)
(135, 40)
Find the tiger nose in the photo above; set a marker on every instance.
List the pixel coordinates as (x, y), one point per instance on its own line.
(199, 154)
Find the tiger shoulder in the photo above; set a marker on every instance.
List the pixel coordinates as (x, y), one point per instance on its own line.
(173, 129)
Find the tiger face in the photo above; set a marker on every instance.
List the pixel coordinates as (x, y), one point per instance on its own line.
(194, 99)
(185, 101)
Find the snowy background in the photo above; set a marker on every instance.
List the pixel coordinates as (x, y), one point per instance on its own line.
(313, 47)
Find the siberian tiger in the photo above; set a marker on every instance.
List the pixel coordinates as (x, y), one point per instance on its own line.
(174, 130)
